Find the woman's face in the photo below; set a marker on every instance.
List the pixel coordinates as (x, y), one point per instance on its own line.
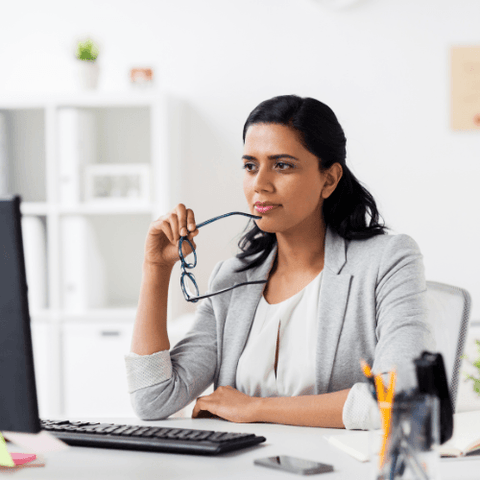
(283, 183)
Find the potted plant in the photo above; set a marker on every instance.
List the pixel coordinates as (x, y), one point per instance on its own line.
(87, 53)
(476, 364)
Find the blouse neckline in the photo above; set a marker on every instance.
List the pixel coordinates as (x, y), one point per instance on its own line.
(283, 302)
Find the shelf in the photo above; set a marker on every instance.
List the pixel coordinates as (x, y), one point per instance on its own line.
(80, 99)
(44, 208)
(107, 209)
(126, 315)
(35, 208)
(122, 315)
(92, 170)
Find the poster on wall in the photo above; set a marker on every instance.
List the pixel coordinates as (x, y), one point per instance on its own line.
(465, 88)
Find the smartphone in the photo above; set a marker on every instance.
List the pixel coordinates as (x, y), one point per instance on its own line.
(294, 465)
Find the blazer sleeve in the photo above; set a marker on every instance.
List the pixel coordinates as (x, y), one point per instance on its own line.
(401, 328)
(164, 382)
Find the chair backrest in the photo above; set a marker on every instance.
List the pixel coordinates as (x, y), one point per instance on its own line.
(449, 313)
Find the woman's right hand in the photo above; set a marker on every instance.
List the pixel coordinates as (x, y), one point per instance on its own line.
(161, 245)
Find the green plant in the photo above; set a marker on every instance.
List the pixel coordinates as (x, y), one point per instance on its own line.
(87, 50)
(476, 364)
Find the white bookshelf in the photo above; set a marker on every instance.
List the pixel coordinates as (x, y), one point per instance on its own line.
(77, 342)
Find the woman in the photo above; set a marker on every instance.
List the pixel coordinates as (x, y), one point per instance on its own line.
(338, 289)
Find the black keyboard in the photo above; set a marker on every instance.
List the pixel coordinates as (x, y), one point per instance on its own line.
(154, 439)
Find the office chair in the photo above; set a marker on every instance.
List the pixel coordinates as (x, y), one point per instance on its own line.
(449, 313)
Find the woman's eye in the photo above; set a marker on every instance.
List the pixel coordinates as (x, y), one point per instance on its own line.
(283, 166)
(248, 166)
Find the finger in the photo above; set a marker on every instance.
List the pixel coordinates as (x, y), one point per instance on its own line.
(167, 230)
(191, 224)
(182, 219)
(157, 224)
(173, 220)
(192, 234)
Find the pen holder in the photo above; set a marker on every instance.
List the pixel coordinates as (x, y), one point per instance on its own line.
(410, 451)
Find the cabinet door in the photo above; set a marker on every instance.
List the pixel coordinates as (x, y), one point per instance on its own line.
(467, 398)
(94, 375)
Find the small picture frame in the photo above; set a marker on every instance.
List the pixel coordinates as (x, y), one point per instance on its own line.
(117, 183)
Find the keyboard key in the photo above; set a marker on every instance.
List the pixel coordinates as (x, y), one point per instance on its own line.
(112, 428)
(162, 433)
(120, 430)
(101, 429)
(231, 436)
(59, 422)
(217, 436)
(193, 434)
(140, 431)
(204, 435)
(184, 433)
(129, 431)
(150, 431)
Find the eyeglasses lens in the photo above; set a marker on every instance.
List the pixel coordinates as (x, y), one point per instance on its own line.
(189, 285)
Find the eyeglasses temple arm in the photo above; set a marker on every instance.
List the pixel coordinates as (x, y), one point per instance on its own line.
(206, 222)
(201, 297)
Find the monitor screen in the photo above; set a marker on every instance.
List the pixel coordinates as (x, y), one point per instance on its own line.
(18, 396)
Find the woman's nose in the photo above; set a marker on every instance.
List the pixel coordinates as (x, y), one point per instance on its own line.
(263, 180)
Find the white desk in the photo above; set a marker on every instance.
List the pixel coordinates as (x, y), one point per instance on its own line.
(304, 442)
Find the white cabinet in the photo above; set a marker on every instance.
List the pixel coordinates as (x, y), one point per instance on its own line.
(93, 173)
(94, 377)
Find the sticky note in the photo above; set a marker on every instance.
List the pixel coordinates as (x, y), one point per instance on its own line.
(21, 458)
(39, 461)
(42, 442)
(5, 457)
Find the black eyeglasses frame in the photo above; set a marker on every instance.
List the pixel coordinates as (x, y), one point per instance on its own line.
(185, 264)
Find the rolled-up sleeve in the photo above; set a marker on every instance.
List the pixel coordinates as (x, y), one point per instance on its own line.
(402, 329)
(164, 382)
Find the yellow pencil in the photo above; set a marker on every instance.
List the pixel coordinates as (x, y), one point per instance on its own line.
(385, 400)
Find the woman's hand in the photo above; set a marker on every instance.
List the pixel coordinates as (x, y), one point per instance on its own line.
(161, 245)
(227, 403)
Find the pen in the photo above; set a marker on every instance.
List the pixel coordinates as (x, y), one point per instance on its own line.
(385, 402)
(367, 371)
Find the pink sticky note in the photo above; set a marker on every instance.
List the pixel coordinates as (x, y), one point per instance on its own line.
(21, 458)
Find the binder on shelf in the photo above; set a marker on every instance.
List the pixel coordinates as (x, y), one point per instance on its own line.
(3, 156)
(35, 248)
(83, 269)
(76, 149)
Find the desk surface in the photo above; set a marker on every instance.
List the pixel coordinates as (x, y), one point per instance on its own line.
(303, 442)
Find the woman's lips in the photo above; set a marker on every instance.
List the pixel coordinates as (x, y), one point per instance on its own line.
(264, 209)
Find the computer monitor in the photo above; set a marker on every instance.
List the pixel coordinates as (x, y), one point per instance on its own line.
(18, 394)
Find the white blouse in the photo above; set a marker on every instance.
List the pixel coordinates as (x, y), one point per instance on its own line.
(295, 322)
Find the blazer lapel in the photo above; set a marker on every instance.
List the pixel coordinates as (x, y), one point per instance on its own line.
(333, 302)
(238, 323)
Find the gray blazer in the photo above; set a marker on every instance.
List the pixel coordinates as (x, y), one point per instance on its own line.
(372, 306)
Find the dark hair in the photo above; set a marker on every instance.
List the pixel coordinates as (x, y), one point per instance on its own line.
(350, 210)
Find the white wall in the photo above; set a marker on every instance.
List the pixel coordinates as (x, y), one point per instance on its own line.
(382, 65)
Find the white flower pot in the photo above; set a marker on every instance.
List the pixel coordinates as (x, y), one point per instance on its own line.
(88, 73)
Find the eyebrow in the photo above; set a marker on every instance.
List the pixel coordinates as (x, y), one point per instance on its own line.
(272, 157)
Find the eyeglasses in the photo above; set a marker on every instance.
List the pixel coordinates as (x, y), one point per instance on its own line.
(189, 276)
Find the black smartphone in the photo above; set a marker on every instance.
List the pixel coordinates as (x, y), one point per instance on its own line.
(294, 465)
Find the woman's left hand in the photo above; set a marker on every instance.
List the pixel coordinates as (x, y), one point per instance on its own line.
(227, 403)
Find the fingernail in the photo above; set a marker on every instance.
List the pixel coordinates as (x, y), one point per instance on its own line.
(191, 226)
(184, 231)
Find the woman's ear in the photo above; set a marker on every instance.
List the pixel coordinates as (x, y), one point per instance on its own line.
(332, 177)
